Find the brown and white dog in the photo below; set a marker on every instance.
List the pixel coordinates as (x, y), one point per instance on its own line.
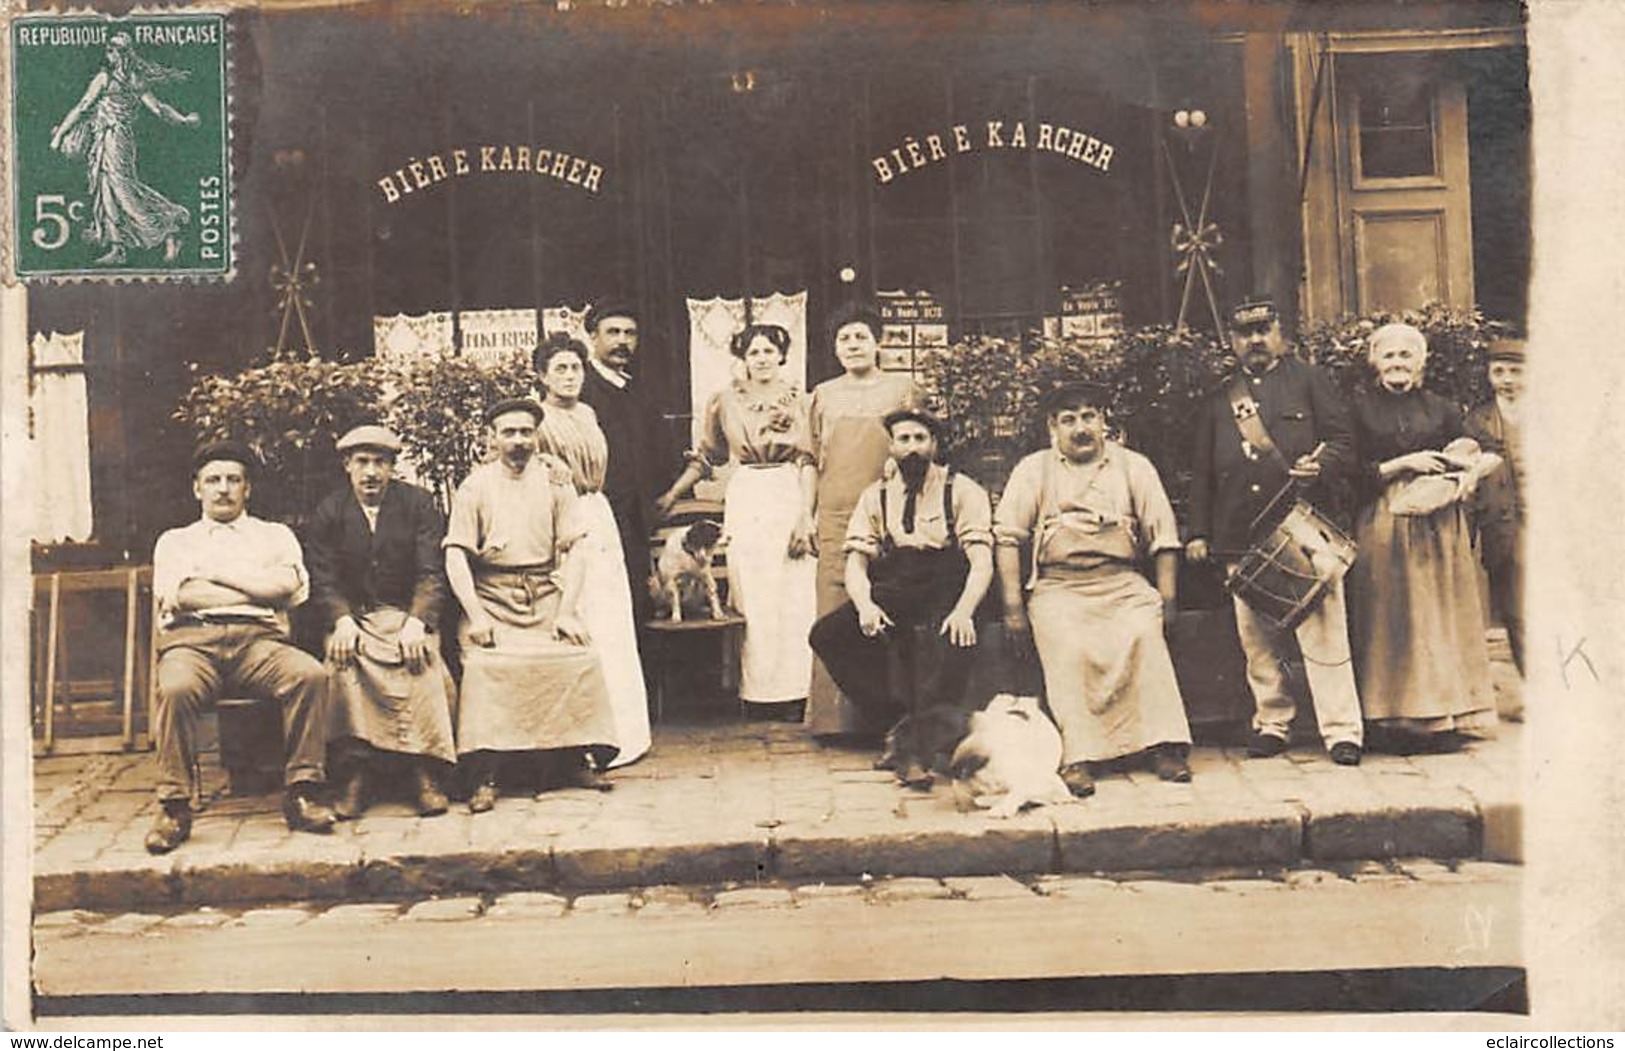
(683, 578)
(1009, 759)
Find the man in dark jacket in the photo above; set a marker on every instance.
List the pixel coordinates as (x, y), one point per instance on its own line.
(1278, 422)
(377, 580)
(1498, 426)
(632, 427)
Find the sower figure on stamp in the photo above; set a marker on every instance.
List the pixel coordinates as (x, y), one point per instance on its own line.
(1093, 512)
(1278, 421)
(224, 585)
(532, 684)
(377, 577)
(1498, 428)
(919, 560)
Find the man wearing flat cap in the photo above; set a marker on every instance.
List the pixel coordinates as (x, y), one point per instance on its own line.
(1095, 513)
(532, 686)
(1498, 428)
(1277, 422)
(377, 579)
(224, 585)
(918, 562)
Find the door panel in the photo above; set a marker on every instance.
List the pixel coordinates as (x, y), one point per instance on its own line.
(1401, 258)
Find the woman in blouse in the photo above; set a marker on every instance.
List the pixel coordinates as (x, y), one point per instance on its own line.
(1415, 614)
(850, 445)
(570, 435)
(760, 422)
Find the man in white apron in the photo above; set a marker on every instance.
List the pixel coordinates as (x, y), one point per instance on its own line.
(1093, 512)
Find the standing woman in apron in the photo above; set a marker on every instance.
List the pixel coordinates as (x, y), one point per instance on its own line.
(850, 446)
(760, 422)
(569, 433)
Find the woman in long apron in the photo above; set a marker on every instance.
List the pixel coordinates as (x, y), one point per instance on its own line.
(1415, 610)
(760, 422)
(850, 446)
(569, 434)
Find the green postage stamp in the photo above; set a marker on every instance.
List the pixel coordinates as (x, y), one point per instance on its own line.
(121, 146)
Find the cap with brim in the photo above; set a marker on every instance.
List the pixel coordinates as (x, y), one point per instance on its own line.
(236, 452)
(1506, 350)
(919, 416)
(1259, 311)
(508, 405)
(1072, 395)
(369, 436)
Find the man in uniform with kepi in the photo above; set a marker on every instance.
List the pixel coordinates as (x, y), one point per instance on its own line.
(919, 560)
(1278, 422)
(377, 577)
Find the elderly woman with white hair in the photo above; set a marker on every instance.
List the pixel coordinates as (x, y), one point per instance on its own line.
(1415, 613)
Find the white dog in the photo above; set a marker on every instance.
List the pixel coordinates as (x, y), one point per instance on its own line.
(1008, 760)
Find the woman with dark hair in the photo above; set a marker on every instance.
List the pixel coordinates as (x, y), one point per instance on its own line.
(1415, 613)
(760, 422)
(850, 446)
(125, 212)
(569, 434)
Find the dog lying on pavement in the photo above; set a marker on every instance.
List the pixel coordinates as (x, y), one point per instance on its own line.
(1009, 759)
(683, 579)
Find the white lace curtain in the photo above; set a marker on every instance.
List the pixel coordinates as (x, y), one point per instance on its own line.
(59, 436)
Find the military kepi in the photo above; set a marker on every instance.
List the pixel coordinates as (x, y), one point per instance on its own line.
(1259, 310)
(369, 436)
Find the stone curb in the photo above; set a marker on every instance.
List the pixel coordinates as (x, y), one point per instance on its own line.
(1449, 824)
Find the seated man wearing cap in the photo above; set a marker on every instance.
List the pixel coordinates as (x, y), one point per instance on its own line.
(919, 560)
(1279, 422)
(224, 585)
(1497, 427)
(531, 681)
(1093, 512)
(377, 578)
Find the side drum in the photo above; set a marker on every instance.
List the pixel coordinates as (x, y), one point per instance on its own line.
(1286, 573)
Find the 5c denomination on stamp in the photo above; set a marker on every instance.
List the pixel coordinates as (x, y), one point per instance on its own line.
(121, 146)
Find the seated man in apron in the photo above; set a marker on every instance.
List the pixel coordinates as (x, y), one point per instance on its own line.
(918, 562)
(1093, 511)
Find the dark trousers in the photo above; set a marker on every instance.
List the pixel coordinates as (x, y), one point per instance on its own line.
(1506, 596)
(631, 521)
(912, 665)
(200, 663)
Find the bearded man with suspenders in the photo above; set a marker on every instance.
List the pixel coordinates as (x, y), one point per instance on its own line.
(1278, 422)
(919, 561)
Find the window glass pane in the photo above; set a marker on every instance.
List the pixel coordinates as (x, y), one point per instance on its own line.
(1396, 128)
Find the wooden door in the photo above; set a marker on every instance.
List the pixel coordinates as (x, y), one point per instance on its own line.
(1406, 210)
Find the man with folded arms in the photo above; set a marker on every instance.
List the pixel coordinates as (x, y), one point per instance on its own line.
(224, 585)
(377, 578)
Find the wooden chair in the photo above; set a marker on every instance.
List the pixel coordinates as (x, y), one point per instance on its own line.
(55, 683)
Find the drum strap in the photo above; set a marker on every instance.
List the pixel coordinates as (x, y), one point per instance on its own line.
(1244, 409)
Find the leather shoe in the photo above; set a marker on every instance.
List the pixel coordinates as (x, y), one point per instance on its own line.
(1168, 760)
(1078, 780)
(1264, 746)
(483, 799)
(1346, 753)
(172, 828)
(916, 777)
(304, 813)
(352, 800)
(431, 801)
